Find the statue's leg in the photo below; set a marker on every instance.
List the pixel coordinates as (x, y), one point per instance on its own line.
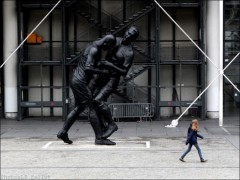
(78, 90)
(96, 125)
(98, 84)
(103, 122)
(71, 118)
(104, 109)
(106, 115)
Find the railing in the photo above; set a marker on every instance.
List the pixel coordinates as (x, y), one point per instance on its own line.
(132, 110)
(41, 53)
(180, 1)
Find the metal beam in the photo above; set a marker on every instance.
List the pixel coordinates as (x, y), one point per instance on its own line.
(157, 59)
(1, 61)
(99, 17)
(201, 56)
(63, 12)
(19, 77)
(174, 91)
(75, 32)
(149, 52)
(51, 57)
(180, 5)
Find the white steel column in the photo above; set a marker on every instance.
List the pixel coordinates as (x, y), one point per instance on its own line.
(10, 68)
(213, 51)
(221, 56)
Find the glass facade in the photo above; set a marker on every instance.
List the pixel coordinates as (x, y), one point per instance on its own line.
(1, 59)
(232, 48)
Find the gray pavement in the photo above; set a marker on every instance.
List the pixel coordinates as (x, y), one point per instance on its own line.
(144, 150)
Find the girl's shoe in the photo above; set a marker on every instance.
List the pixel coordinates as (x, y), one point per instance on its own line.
(203, 160)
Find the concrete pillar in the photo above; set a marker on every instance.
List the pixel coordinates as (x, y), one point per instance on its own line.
(221, 57)
(214, 51)
(10, 42)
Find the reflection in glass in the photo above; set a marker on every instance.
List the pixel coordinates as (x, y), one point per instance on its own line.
(232, 47)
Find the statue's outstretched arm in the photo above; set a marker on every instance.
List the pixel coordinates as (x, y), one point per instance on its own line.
(110, 65)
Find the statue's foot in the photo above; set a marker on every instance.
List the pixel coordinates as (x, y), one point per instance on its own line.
(64, 136)
(104, 142)
(111, 129)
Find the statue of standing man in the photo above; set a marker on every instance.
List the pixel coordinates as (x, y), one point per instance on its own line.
(118, 61)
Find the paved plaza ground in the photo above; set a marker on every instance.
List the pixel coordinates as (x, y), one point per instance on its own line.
(144, 150)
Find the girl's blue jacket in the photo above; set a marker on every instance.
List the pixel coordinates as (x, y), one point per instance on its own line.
(192, 137)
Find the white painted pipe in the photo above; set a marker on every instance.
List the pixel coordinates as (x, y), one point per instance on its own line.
(220, 62)
(10, 70)
(213, 52)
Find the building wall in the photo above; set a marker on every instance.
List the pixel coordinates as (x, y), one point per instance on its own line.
(1, 59)
(187, 18)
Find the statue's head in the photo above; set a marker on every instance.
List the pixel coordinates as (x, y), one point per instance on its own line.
(131, 34)
(108, 42)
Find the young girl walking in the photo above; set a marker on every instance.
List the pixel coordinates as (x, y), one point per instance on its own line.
(192, 140)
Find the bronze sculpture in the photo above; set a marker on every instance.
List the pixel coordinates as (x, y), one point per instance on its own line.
(81, 77)
(118, 61)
